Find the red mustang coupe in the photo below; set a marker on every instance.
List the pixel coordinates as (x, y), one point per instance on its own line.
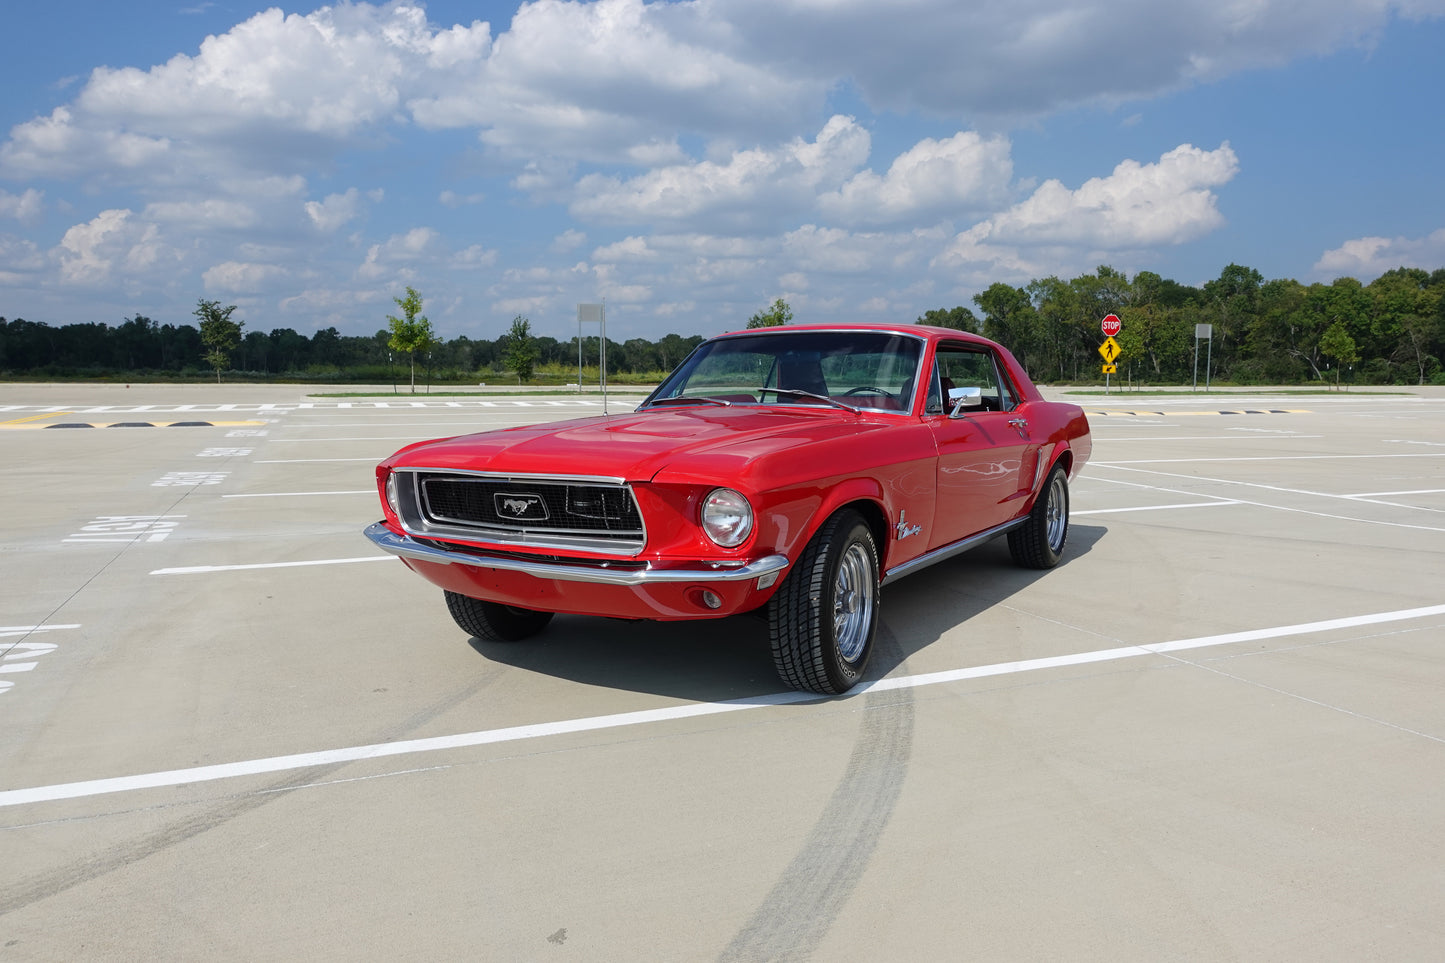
(793, 470)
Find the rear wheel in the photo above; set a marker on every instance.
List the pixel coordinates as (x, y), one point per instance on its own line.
(1039, 542)
(494, 621)
(822, 619)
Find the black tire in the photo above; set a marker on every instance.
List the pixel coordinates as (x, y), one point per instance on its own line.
(493, 621)
(1039, 542)
(823, 617)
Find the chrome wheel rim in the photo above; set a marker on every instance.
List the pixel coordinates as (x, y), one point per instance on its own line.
(1056, 514)
(853, 600)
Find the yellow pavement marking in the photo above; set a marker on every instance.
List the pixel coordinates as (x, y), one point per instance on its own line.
(16, 422)
(196, 423)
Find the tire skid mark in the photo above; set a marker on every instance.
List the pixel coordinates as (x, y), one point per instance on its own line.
(91, 867)
(812, 891)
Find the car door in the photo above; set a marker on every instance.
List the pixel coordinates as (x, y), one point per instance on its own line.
(985, 453)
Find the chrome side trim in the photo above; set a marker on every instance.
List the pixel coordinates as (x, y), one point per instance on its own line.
(404, 546)
(948, 551)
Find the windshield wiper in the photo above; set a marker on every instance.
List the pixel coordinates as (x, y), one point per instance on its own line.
(795, 393)
(690, 400)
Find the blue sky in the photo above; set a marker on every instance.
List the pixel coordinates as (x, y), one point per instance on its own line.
(690, 162)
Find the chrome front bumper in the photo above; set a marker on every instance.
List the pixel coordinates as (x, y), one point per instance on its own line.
(404, 546)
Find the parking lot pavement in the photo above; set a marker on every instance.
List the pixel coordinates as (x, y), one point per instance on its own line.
(232, 729)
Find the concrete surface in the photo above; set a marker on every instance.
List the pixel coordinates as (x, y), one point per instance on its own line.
(231, 730)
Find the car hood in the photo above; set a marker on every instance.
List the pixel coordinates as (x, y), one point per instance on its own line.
(709, 442)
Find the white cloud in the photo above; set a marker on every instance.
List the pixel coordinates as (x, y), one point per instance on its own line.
(113, 242)
(398, 255)
(524, 306)
(1367, 258)
(569, 240)
(1137, 206)
(453, 199)
(335, 210)
(213, 213)
(1034, 58)
(614, 79)
(332, 302)
(21, 260)
(752, 183)
(235, 277)
(25, 208)
(620, 80)
(273, 92)
(474, 257)
(938, 179)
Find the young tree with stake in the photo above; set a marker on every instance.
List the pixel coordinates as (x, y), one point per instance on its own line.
(410, 333)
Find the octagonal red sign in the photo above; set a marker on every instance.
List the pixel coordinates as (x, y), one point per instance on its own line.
(1111, 326)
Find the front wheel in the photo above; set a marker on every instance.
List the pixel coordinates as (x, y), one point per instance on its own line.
(1039, 542)
(822, 619)
(493, 621)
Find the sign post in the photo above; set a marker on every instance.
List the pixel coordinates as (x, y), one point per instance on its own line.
(594, 314)
(1110, 350)
(1205, 331)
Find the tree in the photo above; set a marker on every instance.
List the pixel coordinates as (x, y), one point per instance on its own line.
(1404, 323)
(521, 350)
(959, 319)
(777, 315)
(410, 333)
(1337, 343)
(1233, 300)
(673, 348)
(219, 334)
(1008, 318)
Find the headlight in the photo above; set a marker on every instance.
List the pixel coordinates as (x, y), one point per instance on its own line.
(726, 517)
(391, 498)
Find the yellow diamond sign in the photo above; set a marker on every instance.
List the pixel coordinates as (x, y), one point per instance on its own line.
(1110, 350)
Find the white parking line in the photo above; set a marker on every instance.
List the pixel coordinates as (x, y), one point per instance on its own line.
(312, 441)
(1354, 499)
(1155, 508)
(311, 461)
(359, 491)
(1191, 461)
(180, 777)
(1270, 436)
(6, 630)
(206, 569)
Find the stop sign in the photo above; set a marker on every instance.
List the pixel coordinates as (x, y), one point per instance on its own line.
(1112, 325)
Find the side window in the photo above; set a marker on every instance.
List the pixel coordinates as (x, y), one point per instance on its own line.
(934, 403)
(970, 367)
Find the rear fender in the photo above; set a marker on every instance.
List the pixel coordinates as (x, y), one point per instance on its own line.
(1061, 454)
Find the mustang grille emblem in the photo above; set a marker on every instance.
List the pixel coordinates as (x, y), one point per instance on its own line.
(526, 507)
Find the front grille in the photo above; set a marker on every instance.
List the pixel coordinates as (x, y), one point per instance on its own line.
(525, 509)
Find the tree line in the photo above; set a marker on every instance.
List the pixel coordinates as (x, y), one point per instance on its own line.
(1390, 331)
(140, 348)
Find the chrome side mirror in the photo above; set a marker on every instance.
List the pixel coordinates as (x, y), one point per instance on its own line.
(964, 399)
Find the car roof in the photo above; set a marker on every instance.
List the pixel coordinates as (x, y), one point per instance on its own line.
(925, 331)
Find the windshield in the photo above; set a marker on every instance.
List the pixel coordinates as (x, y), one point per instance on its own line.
(869, 370)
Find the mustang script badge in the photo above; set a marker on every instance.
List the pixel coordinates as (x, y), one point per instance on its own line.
(902, 530)
(527, 506)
